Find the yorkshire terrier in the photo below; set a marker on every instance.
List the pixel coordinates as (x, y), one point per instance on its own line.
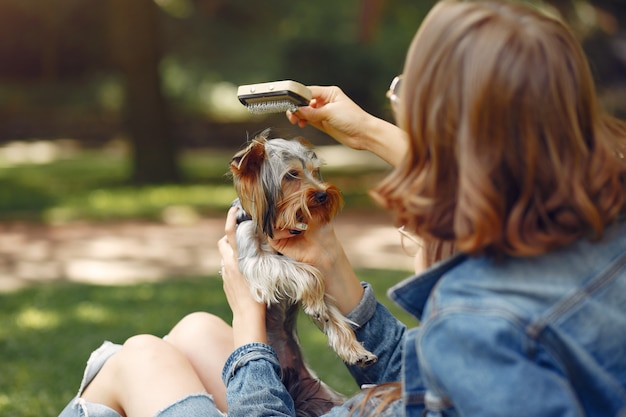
(279, 187)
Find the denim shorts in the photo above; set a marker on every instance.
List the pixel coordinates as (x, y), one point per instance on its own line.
(196, 405)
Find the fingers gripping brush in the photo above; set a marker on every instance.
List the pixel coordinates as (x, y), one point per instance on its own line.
(273, 97)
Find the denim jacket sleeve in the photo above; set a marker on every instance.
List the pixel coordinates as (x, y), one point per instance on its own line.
(382, 334)
(253, 383)
(491, 352)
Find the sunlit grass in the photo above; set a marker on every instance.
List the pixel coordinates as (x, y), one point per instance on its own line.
(93, 185)
(140, 202)
(48, 332)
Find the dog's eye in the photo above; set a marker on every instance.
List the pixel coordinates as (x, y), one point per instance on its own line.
(292, 175)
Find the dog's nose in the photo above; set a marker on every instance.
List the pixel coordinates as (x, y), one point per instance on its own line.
(321, 197)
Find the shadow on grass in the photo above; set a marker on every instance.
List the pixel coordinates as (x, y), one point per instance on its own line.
(48, 332)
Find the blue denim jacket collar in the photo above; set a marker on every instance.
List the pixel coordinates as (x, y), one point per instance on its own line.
(412, 293)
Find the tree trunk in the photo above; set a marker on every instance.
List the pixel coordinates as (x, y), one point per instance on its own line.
(369, 19)
(135, 48)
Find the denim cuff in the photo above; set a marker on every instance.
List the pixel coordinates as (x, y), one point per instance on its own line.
(247, 353)
(363, 312)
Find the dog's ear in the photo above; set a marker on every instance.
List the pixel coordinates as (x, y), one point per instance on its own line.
(248, 161)
(256, 198)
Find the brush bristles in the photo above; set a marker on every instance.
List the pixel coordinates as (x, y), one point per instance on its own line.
(273, 97)
(275, 106)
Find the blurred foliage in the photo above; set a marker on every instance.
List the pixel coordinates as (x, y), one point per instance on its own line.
(206, 42)
(74, 69)
(49, 331)
(358, 44)
(59, 76)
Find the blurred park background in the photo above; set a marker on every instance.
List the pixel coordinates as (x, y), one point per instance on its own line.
(117, 122)
(153, 82)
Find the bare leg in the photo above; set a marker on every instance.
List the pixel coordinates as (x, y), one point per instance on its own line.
(207, 341)
(145, 376)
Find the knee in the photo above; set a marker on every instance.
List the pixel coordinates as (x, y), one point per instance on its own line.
(193, 326)
(146, 351)
(142, 341)
(201, 320)
(144, 346)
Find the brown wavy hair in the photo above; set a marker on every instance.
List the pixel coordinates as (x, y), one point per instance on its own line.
(509, 150)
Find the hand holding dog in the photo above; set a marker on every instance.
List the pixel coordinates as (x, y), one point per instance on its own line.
(319, 246)
(334, 113)
(248, 314)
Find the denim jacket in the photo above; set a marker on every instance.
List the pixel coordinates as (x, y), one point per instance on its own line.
(537, 336)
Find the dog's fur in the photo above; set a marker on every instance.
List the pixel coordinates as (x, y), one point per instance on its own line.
(280, 188)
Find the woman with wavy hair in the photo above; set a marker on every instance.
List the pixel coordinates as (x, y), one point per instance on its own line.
(506, 155)
(514, 181)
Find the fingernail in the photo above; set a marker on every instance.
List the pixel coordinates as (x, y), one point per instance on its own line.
(294, 232)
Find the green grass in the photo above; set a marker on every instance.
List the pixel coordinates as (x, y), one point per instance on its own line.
(48, 332)
(93, 186)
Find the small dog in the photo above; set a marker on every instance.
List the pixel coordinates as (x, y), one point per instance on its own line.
(279, 186)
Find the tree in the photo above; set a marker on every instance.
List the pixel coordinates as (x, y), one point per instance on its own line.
(136, 52)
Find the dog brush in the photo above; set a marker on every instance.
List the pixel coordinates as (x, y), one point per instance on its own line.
(273, 97)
